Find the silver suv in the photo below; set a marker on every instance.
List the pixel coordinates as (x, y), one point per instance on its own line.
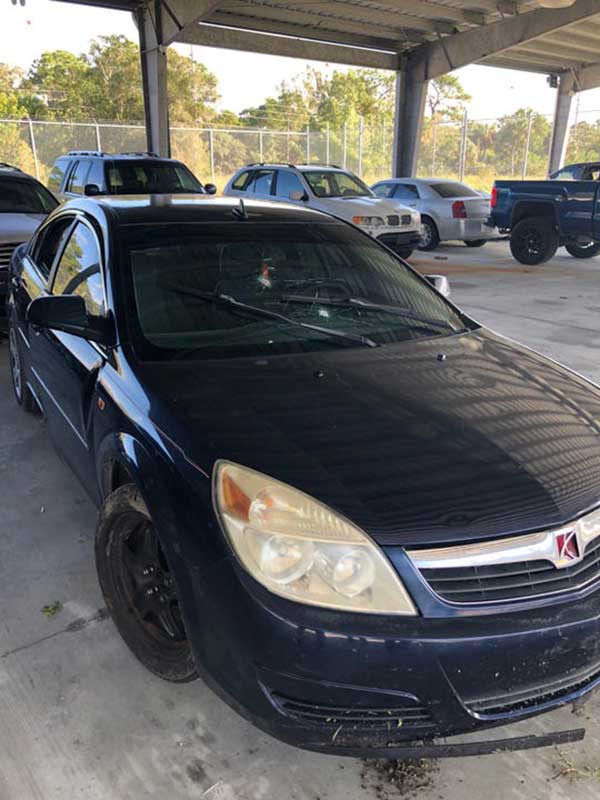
(24, 203)
(335, 191)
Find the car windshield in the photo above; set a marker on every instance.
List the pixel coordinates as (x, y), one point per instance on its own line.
(151, 177)
(451, 189)
(25, 197)
(239, 289)
(327, 183)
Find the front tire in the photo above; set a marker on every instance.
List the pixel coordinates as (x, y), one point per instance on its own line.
(138, 588)
(21, 390)
(476, 242)
(583, 251)
(430, 237)
(533, 240)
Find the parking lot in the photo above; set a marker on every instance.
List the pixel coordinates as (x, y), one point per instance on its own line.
(81, 718)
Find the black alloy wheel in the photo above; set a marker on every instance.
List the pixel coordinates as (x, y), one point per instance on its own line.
(139, 588)
(534, 240)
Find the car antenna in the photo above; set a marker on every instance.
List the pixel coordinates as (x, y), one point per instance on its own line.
(241, 212)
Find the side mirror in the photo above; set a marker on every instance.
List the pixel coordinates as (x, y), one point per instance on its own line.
(439, 282)
(67, 312)
(210, 188)
(302, 196)
(91, 190)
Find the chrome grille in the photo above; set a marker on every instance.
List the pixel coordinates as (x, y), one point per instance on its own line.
(393, 220)
(6, 251)
(406, 219)
(385, 719)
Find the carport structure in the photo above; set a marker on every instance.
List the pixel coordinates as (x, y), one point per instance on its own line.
(419, 40)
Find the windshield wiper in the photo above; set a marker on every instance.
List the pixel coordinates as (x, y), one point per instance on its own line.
(257, 311)
(367, 305)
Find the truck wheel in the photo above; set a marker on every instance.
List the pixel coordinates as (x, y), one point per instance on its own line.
(138, 587)
(430, 237)
(476, 242)
(588, 250)
(534, 240)
(23, 394)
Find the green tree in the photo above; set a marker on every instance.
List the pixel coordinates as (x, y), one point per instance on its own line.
(61, 80)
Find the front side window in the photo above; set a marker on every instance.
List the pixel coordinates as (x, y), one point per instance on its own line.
(383, 190)
(49, 242)
(453, 189)
(232, 289)
(79, 270)
(151, 177)
(288, 182)
(25, 197)
(406, 191)
(327, 183)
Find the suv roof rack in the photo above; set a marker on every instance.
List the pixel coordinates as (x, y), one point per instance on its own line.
(86, 153)
(6, 165)
(293, 166)
(139, 153)
(318, 164)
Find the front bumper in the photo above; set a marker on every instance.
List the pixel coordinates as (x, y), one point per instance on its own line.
(400, 239)
(358, 684)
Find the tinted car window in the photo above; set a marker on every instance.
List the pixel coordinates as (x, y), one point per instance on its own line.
(383, 190)
(25, 197)
(241, 181)
(78, 177)
(261, 182)
(57, 174)
(453, 190)
(591, 173)
(188, 283)
(325, 183)
(96, 174)
(566, 174)
(288, 182)
(150, 177)
(48, 243)
(78, 270)
(406, 191)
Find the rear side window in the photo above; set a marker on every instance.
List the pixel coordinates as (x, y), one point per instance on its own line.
(78, 177)
(240, 182)
(57, 174)
(261, 182)
(79, 272)
(96, 174)
(451, 189)
(48, 244)
(288, 182)
(406, 191)
(591, 173)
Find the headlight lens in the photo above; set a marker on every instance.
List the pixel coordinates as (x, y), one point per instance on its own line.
(370, 222)
(300, 549)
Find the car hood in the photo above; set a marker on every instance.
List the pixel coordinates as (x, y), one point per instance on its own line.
(19, 227)
(449, 439)
(348, 207)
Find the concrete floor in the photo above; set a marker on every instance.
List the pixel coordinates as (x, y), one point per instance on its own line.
(79, 716)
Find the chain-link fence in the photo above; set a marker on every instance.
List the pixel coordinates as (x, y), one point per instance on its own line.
(474, 150)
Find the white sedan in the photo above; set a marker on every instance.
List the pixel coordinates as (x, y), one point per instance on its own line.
(450, 210)
(335, 191)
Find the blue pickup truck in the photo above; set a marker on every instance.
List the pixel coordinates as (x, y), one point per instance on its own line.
(542, 216)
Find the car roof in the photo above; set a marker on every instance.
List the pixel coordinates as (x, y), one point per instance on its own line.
(10, 171)
(422, 181)
(299, 167)
(133, 156)
(144, 209)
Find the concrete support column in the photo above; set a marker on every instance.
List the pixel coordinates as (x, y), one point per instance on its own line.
(154, 77)
(560, 124)
(408, 123)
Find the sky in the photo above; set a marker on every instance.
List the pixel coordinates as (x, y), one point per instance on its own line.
(245, 79)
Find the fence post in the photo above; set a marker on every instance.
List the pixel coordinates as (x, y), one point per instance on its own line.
(308, 144)
(98, 143)
(527, 142)
(463, 146)
(260, 147)
(327, 154)
(360, 146)
(211, 152)
(33, 148)
(433, 145)
(345, 157)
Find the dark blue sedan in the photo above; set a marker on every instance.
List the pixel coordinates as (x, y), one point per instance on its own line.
(362, 518)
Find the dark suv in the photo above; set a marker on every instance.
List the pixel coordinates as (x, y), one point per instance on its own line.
(95, 173)
(24, 203)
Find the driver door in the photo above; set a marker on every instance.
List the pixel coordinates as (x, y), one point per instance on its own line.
(66, 366)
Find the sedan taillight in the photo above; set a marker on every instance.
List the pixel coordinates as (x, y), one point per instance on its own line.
(459, 209)
(494, 197)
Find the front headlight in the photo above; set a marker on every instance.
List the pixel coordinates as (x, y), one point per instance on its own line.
(369, 222)
(300, 549)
